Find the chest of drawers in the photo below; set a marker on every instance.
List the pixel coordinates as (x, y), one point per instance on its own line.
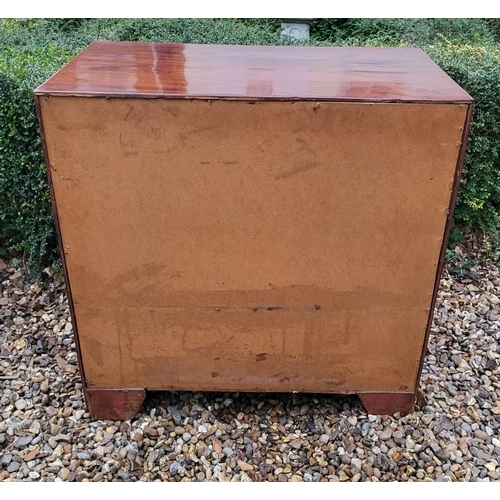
(240, 218)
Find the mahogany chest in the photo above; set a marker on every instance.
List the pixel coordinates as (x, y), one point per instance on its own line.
(242, 218)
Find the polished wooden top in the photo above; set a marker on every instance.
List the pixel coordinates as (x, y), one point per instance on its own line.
(130, 69)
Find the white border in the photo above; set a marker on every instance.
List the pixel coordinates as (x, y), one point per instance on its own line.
(253, 8)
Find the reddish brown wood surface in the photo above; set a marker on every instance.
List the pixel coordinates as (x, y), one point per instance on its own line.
(388, 403)
(262, 72)
(114, 404)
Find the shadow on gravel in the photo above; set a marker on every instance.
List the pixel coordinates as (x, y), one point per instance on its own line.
(225, 407)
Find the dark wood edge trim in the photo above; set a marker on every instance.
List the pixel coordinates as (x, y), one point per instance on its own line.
(114, 404)
(449, 221)
(251, 99)
(59, 241)
(388, 403)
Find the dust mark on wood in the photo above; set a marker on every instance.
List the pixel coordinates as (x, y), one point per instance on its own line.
(303, 168)
(128, 113)
(95, 351)
(305, 145)
(171, 110)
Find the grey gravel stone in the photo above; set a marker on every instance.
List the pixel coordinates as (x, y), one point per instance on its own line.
(21, 404)
(481, 455)
(13, 467)
(365, 429)
(175, 414)
(23, 441)
(436, 449)
(123, 475)
(427, 418)
(466, 427)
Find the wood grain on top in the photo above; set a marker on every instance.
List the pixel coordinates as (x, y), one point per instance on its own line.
(260, 72)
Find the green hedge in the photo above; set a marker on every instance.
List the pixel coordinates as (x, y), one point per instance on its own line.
(477, 69)
(33, 49)
(26, 223)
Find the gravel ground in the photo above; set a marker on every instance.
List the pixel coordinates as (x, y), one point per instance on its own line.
(47, 435)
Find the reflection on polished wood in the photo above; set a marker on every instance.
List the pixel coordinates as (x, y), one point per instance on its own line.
(261, 72)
